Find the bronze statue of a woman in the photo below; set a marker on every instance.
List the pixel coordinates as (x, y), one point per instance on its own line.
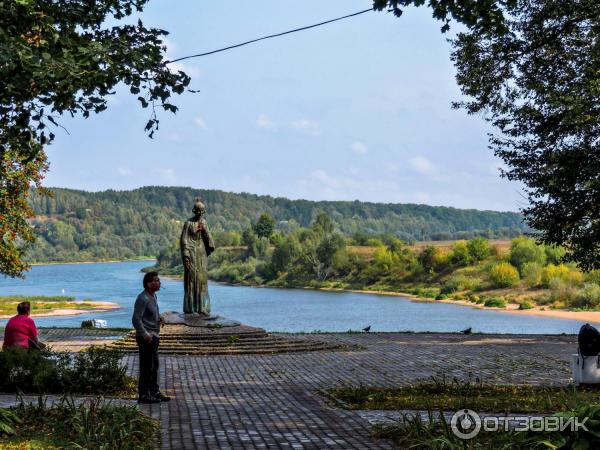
(196, 245)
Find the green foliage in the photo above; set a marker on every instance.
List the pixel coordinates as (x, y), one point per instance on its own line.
(114, 225)
(588, 297)
(524, 250)
(460, 254)
(286, 253)
(95, 371)
(90, 424)
(503, 275)
(264, 226)
(525, 305)
(479, 248)
(532, 274)
(62, 57)
(536, 81)
(494, 302)
(555, 254)
(457, 283)
(8, 304)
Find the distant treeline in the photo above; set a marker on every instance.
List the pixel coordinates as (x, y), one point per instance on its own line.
(77, 225)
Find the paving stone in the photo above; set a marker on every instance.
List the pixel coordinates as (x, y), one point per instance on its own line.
(273, 401)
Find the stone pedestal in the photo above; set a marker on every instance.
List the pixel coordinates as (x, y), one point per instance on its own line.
(197, 320)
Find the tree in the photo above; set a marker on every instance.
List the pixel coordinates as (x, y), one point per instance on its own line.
(538, 85)
(264, 226)
(530, 68)
(523, 251)
(479, 248)
(323, 225)
(59, 56)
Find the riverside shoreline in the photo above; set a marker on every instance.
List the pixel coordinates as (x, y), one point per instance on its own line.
(98, 307)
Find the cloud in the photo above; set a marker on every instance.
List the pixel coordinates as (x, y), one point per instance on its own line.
(264, 122)
(199, 121)
(168, 174)
(124, 171)
(359, 148)
(175, 137)
(422, 165)
(309, 127)
(319, 184)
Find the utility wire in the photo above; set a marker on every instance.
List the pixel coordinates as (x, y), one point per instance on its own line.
(270, 36)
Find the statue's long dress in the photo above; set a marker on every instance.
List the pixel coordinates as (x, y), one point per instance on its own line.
(197, 246)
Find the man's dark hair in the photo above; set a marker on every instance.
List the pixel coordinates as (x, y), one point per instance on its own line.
(148, 278)
(23, 308)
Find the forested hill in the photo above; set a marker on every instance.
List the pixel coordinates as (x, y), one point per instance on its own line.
(78, 225)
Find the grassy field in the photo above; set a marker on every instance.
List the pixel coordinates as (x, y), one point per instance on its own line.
(442, 394)
(8, 304)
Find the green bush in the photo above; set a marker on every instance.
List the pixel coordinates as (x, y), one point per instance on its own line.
(495, 302)
(479, 248)
(524, 250)
(96, 371)
(532, 274)
(503, 275)
(525, 305)
(587, 297)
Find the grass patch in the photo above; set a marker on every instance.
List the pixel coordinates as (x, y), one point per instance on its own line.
(8, 304)
(437, 394)
(435, 433)
(92, 424)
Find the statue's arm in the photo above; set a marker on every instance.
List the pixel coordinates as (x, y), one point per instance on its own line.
(208, 240)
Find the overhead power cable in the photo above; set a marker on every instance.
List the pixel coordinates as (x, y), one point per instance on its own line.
(269, 37)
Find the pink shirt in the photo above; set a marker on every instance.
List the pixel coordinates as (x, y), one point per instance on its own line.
(18, 331)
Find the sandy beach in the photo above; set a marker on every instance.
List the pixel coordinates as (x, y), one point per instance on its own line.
(98, 307)
(581, 316)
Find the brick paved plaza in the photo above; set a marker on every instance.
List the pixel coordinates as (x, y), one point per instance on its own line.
(272, 401)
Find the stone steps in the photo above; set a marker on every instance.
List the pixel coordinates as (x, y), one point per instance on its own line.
(226, 341)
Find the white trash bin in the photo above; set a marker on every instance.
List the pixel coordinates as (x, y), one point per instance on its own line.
(586, 369)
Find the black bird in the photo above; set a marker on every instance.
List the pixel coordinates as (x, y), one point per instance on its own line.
(367, 329)
(467, 331)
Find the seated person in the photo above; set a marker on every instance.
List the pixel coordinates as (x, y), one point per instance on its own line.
(20, 330)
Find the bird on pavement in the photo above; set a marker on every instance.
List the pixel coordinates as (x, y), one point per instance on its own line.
(467, 331)
(367, 329)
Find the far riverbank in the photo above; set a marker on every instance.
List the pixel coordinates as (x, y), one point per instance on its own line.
(96, 307)
(581, 316)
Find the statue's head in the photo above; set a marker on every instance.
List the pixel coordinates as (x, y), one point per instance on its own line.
(198, 208)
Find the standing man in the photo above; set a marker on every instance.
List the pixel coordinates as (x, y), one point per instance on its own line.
(146, 321)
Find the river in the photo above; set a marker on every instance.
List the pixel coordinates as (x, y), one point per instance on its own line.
(291, 310)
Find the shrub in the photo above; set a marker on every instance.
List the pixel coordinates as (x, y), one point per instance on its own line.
(562, 272)
(593, 276)
(525, 304)
(554, 253)
(587, 297)
(503, 275)
(495, 302)
(532, 274)
(96, 371)
(460, 254)
(524, 250)
(479, 248)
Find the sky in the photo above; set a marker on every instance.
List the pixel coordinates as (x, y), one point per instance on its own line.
(359, 109)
